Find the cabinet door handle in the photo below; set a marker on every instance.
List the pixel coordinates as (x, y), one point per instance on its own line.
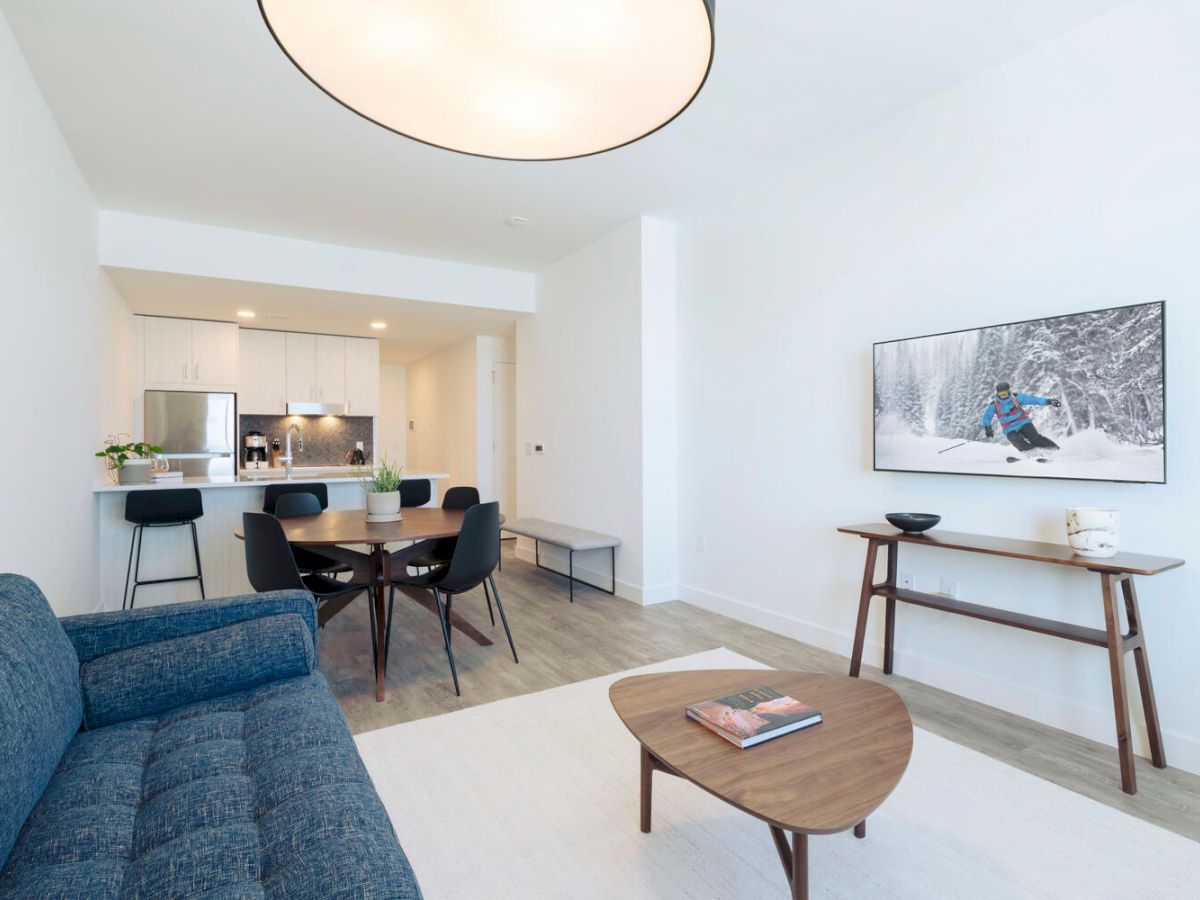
(196, 371)
(185, 371)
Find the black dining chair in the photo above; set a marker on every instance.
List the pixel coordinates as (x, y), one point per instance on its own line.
(415, 492)
(439, 550)
(160, 508)
(270, 565)
(274, 491)
(476, 554)
(294, 504)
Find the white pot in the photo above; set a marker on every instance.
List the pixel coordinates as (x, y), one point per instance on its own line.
(1093, 530)
(380, 504)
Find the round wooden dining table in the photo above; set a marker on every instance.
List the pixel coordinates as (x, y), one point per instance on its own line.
(346, 528)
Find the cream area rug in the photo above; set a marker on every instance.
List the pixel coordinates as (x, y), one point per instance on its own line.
(537, 797)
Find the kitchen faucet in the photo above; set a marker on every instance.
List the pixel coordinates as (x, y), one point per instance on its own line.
(287, 450)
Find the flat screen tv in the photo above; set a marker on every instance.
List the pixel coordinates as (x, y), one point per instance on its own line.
(1079, 396)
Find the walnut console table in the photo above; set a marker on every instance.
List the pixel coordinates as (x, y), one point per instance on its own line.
(1114, 571)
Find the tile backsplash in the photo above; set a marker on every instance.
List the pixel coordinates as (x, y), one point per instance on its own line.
(328, 440)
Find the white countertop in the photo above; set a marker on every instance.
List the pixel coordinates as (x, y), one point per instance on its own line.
(258, 478)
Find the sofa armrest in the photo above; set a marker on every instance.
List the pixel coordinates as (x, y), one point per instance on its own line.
(99, 634)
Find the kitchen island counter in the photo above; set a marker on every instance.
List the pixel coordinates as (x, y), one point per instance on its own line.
(167, 552)
(259, 477)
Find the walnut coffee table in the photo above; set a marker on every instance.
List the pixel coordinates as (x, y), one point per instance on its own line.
(819, 780)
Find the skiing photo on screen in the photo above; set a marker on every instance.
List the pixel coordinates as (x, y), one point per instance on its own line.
(1076, 396)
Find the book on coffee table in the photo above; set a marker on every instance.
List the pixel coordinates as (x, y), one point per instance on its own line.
(752, 716)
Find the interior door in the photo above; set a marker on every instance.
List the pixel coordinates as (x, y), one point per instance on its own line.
(301, 367)
(168, 351)
(215, 353)
(504, 435)
(331, 369)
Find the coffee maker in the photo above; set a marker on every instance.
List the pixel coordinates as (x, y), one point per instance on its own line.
(254, 454)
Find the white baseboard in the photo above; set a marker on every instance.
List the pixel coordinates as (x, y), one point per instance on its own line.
(555, 559)
(1183, 751)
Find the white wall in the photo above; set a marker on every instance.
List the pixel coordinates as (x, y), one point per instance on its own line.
(1063, 181)
(442, 391)
(64, 369)
(596, 386)
(391, 426)
(168, 245)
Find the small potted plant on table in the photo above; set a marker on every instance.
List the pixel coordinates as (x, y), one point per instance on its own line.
(128, 463)
(382, 486)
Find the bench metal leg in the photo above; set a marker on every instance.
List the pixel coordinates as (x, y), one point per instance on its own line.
(570, 573)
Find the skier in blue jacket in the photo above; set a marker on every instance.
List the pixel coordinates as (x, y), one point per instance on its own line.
(1008, 406)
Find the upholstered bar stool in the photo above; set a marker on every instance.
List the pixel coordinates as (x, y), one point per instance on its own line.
(158, 508)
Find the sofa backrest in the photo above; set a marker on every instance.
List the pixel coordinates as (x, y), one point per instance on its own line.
(40, 701)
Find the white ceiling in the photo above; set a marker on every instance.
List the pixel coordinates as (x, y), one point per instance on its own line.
(415, 328)
(187, 109)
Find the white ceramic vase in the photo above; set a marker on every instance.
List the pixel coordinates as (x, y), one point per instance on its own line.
(1093, 531)
(383, 504)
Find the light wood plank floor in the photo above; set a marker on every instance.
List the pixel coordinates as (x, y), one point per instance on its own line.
(559, 643)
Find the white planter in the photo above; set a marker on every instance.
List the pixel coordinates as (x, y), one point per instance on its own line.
(1093, 531)
(380, 504)
(135, 471)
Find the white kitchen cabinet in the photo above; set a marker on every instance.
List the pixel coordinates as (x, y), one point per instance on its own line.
(215, 353)
(362, 377)
(263, 372)
(168, 350)
(189, 354)
(301, 367)
(331, 369)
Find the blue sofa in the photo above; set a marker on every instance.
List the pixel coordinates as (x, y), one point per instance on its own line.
(181, 751)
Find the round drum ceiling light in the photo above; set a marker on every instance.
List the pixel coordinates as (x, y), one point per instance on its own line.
(510, 79)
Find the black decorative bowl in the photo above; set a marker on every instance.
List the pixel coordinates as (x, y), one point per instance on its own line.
(913, 522)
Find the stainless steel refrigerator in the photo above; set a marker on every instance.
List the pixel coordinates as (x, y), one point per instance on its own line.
(196, 430)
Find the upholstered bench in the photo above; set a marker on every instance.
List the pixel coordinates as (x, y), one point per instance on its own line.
(572, 540)
(181, 751)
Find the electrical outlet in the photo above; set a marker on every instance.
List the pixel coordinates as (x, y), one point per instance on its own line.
(950, 587)
(528, 449)
(412, 424)
(908, 581)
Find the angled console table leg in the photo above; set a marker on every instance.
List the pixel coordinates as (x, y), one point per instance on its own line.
(1137, 640)
(794, 858)
(889, 620)
(864, 606)
(1116, 667)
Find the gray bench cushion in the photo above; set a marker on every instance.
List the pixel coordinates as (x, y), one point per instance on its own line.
(561, 535)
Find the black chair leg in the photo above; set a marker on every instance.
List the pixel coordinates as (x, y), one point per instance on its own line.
(449, 610)
(374, 643)
(504, 619)
(445, 620)
(133, 536)
(196, 550)
(387, 629)
(571, 572)
(491, 615)
(137, 565)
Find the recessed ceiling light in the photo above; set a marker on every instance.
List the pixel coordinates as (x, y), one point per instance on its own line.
(245, 314)
(379, 326)
(510, 79)
(517, 221)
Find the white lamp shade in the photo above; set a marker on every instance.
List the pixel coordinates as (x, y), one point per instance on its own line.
(513, 79)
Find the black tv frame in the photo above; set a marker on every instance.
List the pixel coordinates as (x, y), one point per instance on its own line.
(874, 436)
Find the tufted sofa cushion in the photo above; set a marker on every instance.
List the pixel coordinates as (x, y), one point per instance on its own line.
(162, 675)
(259, 793)
(40, 706)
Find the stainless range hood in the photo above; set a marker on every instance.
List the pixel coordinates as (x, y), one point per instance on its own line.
(312, 408)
